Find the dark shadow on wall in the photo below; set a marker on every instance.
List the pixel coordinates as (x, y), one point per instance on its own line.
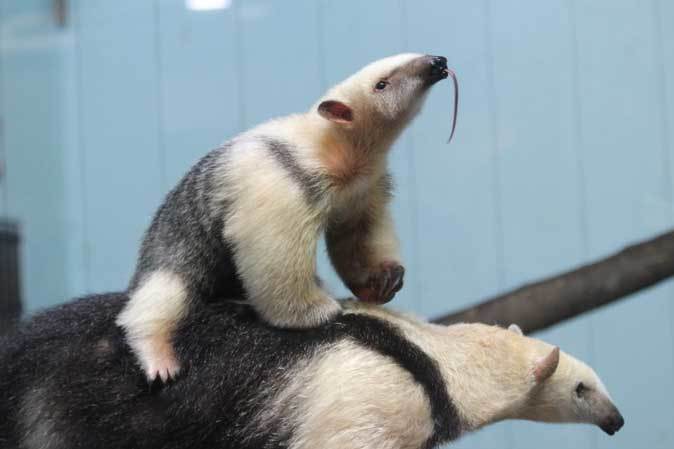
(10, 295)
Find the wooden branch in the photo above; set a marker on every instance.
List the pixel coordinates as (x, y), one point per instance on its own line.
(545, 303)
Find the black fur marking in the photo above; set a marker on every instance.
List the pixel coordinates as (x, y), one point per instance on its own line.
(185, 236)
(309, 183)
(75, 362)
(385, 339)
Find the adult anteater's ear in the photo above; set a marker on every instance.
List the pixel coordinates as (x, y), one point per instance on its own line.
(336, 111)
(546, 366)
(516, 329)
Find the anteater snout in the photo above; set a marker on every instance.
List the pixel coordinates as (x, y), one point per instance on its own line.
(613, 423)
(438, 67)
(439, 62)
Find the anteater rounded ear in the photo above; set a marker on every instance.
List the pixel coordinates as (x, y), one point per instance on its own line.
(336, 111)
(546, 366)
(516, 329)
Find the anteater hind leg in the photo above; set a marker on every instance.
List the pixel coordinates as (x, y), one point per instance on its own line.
(149, 321)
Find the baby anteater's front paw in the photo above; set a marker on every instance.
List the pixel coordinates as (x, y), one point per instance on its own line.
(382, 285)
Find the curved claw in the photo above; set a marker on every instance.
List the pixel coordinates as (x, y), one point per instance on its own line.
(382, 286)
(396, 281)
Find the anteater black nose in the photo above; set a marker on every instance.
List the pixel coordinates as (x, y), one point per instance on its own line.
(619, 422)
(438, 67)
(439, 62)
(613, 424)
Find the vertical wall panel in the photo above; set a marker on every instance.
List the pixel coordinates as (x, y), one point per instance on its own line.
(533, 78)
(280, 69)
(458, 257)
(3, 163)
(119, 134)
(627, 201)
(32, 68)
(663, 17)
(75, 190)
(199, 83)
(665, 14)
(458, 262)
(538, 165)
(374, 35)
(664, 11)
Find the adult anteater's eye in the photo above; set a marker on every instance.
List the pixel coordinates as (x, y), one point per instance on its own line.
(381, 85)
(580, 389)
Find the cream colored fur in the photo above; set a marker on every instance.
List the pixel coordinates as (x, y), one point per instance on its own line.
(275, 233)
(350, 397)
(274, 229)
(372, 110)
(334, 402)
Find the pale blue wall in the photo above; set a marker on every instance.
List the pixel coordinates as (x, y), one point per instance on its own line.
(564, 150)
(33, 143)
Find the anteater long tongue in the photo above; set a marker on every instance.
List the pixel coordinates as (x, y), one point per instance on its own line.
(456, 101)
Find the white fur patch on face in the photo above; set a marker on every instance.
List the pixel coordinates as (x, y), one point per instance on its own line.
(386, 111)
(385, 65)
(577, 371)
(601, 387)
(351, 397)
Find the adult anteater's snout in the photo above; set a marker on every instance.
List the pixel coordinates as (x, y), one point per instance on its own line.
(613, 423)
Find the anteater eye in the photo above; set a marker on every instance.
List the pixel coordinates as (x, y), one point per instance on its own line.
(381, 85)
(580, 389)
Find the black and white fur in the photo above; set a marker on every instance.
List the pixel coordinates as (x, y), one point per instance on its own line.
(371, 379)
(247, 217)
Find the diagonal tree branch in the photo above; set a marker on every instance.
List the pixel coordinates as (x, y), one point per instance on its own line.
(547, 302)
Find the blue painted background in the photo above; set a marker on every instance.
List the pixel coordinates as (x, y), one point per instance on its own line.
(564, 150)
